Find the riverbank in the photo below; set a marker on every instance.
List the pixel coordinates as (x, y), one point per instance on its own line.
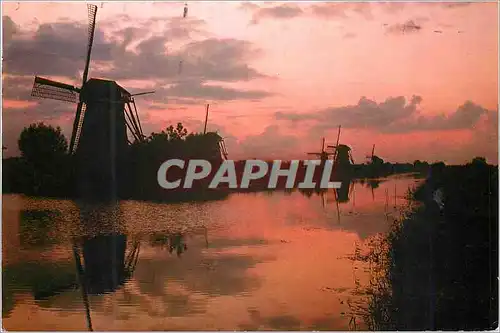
(440, 265)
(144, 185)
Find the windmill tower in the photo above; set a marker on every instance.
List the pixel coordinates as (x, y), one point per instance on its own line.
(342, 156)
(99, 137)
(343, 160)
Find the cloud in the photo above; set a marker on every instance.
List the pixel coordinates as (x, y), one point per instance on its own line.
(9, 30)
(329, 10)
(394, 115)
(250, 6)
(465, 116)
(455, 4)
(196, 89)
(341, 10)
(210, 59)
(283, 11)
(16, 87)
(349, 35)
(271, 143)
(58, 49)
(404, 28)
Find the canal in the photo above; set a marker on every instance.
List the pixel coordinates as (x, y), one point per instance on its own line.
(254, 261)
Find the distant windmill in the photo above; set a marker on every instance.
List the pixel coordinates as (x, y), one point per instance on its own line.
(223, 149)
(92, 97)
(323, 154)
(342, 153)
(222, 145)
(372, 155)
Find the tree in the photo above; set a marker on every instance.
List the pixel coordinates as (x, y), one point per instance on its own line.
(40, 143)
(177, 133)
(45, 166)
(479, 161)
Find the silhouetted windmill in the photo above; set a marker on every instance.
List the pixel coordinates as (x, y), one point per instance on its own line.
(323, 154)
(97, 99)
(99, 137)
(223, 149)
(342, 155)
(373, 154)
(221, 143)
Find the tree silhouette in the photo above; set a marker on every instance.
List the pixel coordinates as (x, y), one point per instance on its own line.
(479, 161)
(177, 133)
(44, 160)
(40, 142)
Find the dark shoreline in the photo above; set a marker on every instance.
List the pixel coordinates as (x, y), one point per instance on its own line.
(144, 186)
(438, 269)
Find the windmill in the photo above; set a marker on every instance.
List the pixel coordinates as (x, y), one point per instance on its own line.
(323, 154)
(223, 149)
(99, 138)
(342, 155)
(373, 154)
(92, 94)
(221, 143)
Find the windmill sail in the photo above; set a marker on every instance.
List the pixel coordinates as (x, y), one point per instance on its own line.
(45, 88)
(77, 124)
(92, 11)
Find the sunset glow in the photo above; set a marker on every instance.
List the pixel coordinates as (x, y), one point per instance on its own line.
(418, 80)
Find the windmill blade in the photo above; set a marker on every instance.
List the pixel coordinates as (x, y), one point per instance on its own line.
(45, 88)
(138, 121)
(337, 144)
(77, 131)
(144, 93)
(133, 121)
(337, 204)
(92, 12)
(338, 136)
(81, 281)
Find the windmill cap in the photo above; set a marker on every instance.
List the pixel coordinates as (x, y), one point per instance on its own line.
(100, 89)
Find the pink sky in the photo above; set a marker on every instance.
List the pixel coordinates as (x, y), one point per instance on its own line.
(280, 76)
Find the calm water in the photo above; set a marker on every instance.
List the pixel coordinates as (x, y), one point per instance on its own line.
(266, 261)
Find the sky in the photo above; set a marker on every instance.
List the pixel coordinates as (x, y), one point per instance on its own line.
(418, 80)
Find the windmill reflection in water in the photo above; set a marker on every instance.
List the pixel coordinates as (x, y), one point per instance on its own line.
(101, 258)
(105, 258)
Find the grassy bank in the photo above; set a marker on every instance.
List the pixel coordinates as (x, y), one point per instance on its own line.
(437, 269)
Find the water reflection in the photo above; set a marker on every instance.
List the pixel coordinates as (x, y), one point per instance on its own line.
(263, 261)
(36, 226)
(173, 242)
(341, 194)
